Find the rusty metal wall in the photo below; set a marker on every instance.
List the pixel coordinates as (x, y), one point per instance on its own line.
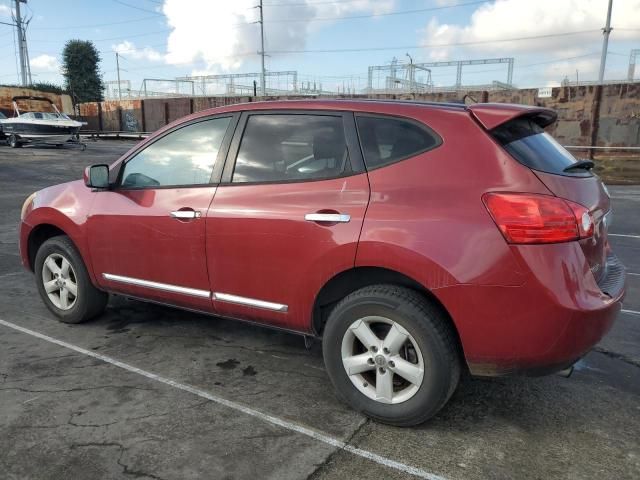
(607, 115)
(63, 102)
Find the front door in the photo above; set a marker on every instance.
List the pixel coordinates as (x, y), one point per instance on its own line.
(287, 215)
(147, 234)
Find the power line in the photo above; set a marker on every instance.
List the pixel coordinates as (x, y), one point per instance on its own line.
(413, 47)
(375, 15)
(334, 2)
(75, 27)
(137, 8)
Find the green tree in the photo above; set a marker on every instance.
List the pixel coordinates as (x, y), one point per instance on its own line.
(81, 70)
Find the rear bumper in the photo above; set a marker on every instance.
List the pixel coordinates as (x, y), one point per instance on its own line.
(542, 326)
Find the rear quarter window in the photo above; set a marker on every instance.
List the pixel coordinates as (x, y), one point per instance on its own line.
(387, 140)
(530, 145)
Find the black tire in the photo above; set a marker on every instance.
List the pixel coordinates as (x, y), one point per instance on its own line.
(431, 331)
(14, 142)
(89, 302)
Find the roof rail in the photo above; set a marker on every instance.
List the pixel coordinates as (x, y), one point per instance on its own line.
(461, 105)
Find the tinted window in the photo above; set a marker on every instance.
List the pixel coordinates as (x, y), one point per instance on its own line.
(183, 157)
(277, 148)
(385, 140)
(528, 143)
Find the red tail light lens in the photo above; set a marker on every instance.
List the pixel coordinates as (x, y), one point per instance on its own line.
(531, 218)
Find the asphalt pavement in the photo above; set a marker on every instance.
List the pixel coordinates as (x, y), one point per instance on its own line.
(149, 392)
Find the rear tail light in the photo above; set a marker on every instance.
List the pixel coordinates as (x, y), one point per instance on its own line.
(532, 218)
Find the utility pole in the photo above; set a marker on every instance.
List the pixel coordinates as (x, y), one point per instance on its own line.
(21, 43)
(263, 83)
(118, 69)
(605, 43)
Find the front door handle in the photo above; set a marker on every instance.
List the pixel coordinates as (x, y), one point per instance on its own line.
(185, 214)
(328, 217)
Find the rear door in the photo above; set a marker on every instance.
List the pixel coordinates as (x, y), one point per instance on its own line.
(287, 214)
(147, 234)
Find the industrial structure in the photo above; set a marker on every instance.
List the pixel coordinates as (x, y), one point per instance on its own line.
(632, 64)
(395, 77)
(406, 76)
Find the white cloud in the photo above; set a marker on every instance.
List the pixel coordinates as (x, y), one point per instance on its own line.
(224, 35)
(129, 50)
(517, 18)
(5, 11)
(45, 63)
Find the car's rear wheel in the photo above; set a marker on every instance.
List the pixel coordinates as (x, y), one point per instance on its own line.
(14, 142)
(391, 354)
(64, 283)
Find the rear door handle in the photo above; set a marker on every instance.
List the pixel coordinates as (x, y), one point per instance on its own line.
(328, 217)
(185, 214)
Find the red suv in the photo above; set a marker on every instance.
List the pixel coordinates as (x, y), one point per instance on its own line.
(415, 239)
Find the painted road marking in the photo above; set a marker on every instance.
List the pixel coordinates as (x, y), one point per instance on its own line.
(633, 274)
(632, 312)
(11, 274)
(286, 424)
(621, 235)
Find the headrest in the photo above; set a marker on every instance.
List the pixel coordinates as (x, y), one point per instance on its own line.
(328, 144)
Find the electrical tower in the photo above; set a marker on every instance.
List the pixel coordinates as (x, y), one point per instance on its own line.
(21, 29)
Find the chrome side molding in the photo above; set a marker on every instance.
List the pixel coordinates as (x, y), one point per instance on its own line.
(194, 292)
(250, 302)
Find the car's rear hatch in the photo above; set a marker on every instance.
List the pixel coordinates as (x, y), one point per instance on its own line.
(520, 131)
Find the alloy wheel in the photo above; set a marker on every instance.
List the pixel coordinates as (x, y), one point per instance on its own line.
(60, 281)
(382, 360)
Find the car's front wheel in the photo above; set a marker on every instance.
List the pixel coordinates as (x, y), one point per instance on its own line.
(64, 283)
(391, 354)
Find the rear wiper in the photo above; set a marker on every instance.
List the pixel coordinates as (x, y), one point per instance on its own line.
(580, 165)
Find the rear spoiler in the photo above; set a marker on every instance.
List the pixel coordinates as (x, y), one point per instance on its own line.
(492, 115)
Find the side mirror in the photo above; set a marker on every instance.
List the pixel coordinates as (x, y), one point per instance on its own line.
(97, 176)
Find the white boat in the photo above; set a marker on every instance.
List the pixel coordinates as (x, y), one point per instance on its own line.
(39, 127)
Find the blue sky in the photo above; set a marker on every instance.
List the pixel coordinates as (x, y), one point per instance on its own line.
(169, 38)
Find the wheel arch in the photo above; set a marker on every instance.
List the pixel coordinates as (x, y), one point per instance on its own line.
(38, 235)
(348, 281)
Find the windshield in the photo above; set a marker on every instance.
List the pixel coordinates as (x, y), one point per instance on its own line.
(528, 143)
(45, 116)
(2, 115)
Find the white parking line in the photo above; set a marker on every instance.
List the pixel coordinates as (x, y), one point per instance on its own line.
(633, 274)
(10, 274)
(621, 235)
(632, 312)
(286, 424)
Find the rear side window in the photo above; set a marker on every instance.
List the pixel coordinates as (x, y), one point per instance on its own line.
(530, 145)
(291, 147)
(386, 140)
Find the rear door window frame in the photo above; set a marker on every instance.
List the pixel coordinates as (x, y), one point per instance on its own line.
(422, 126)
(350, 135)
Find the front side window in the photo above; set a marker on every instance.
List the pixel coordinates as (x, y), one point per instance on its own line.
(290, 147)
(183, 157)
(386, 140)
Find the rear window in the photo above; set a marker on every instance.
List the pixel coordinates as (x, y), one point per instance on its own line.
(528, 143)
(387, 140)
